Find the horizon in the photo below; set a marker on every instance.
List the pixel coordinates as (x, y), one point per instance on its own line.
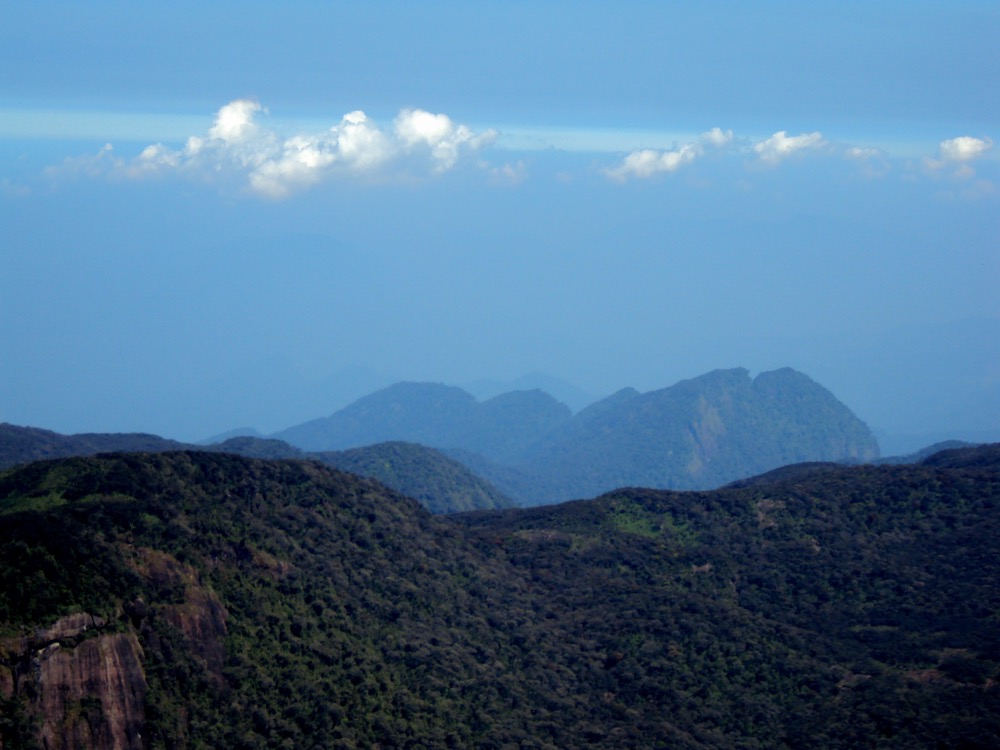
(229, 216)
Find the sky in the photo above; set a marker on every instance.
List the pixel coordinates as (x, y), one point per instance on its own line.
(221, 215)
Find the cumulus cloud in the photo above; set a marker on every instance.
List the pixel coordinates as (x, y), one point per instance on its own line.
(645, 163)
(781, 145)
(717, 137)
(964, 148)
(415, 127)
(235, 121)
(276, 166)
(956, 156)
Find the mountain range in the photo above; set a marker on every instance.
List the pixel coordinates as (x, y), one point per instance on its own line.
(193, 599)
(697, 434)
(527, 448)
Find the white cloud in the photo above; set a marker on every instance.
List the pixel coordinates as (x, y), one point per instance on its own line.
(235, 121)
(647, 162)
(275, 165)
(360, 143)
(956, 157)
(415, 127)
(862, 154)
(717, 137)
(153, 158)
(301, 163)
(964, 148)
(781, 145)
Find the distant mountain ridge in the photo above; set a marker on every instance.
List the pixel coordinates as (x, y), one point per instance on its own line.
(20, 445)
(527, 447)
(437, 415)
(697, 434)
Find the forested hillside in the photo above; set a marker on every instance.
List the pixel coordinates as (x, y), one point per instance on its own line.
(440, 484)
(195, 599)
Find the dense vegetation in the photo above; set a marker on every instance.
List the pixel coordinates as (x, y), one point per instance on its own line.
(825, 606)
(439, 483)
(20, 445)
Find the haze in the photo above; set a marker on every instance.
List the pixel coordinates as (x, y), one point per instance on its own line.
(249, 214)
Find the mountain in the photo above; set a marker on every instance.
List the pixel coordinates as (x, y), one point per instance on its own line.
(919, 455)
(195, 599)
(440, 483)
(436, 415)
(575, 398)
(697, 434)
(977, 456)
(239, 432)
(20, 445)
(426, 413)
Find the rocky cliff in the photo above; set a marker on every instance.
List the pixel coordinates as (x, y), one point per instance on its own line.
(82, 681)
(85, 682)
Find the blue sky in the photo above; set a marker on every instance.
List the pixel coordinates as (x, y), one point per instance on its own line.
(218, 215)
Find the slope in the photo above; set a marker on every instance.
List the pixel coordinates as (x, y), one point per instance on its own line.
(436, 415)
(19, 445)
(698, 434)
(441, 484)
(247, 603)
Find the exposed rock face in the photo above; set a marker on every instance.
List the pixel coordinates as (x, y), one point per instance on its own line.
(89, 689)
(200, 615)
(92, 695)
(85, 685)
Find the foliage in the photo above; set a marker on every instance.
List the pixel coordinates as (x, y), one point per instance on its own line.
(441, 484)
(833, 607)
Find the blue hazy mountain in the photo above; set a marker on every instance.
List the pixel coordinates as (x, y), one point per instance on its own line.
(697, 434)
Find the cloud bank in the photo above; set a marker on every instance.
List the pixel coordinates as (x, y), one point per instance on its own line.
(241, 145)
(276, 166)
